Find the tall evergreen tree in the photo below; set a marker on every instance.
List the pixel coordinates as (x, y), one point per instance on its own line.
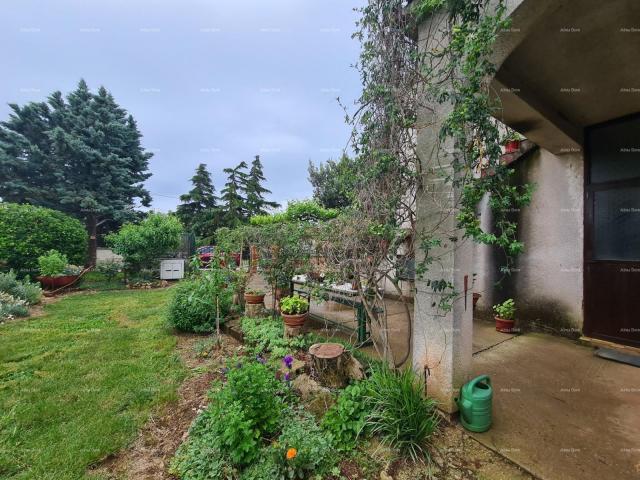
(199, 207)
(81, 155)
(234, 203)
(256, 203)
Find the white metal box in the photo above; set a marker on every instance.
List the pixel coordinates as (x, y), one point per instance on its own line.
(171, 269)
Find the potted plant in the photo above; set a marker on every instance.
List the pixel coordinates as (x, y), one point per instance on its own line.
(512, 142)
(295, 310)
(505, 312)
(254, 296)
(55, 271)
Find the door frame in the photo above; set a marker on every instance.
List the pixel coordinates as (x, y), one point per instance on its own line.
(589, 323)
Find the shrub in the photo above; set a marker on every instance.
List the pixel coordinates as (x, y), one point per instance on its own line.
(200, 457)
(297, 211)
(346, 420)
(193, 306)
(143, 243)
(31, 293)
(303, 448)
(11, 306)
(400, 413)
(266, 467)
(301, 451)
(52, 264)
(255, 387)
(294, 305)
(230, 431)
(26, 232)
(109, 268)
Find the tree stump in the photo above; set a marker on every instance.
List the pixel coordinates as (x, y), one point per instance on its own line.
(292, 332)
(331, 364)
(254, 310)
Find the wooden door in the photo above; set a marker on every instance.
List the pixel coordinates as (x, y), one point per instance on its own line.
(612, 231)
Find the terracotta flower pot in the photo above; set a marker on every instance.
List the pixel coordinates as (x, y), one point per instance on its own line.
(254, 298)
(512, 146)
(295, 320)
(503, 325)
(57, 282)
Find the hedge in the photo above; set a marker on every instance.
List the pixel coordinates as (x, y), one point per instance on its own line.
(26, 232)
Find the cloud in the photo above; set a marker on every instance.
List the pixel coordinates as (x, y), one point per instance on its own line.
(212, 82)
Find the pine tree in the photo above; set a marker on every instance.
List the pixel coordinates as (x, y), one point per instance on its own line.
(81, 155)
(235, 211)
(256, 203)
(199, 207)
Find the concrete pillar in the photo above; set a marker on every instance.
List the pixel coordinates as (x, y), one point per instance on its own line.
(442, 339)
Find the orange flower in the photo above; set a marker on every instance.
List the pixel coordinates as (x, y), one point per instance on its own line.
(291, 453)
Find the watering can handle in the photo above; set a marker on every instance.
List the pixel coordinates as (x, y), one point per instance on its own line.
(481, 378)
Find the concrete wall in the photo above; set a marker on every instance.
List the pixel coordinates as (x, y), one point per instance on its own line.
(547, 280)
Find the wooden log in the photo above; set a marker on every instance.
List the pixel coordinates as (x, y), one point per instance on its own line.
(330, 364)
(292, 332)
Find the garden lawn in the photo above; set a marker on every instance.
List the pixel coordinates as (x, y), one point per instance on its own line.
(77, 383)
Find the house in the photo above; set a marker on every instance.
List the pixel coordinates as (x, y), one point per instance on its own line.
(567, 80)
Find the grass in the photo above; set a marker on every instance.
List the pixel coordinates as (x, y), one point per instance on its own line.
(77, 383)
(98, 281)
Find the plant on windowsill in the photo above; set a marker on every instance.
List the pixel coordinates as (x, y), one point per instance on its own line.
(512, 142)
(294, 310)
(505, 312)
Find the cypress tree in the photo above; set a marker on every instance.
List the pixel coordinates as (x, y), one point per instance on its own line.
(256, 203)
(199, 207)
(234, 203)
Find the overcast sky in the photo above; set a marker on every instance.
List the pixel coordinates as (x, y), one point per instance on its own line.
(215, 81)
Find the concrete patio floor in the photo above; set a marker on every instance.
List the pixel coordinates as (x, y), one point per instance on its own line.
(559, 411)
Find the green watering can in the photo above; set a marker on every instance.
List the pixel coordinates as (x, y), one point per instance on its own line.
(475, 404)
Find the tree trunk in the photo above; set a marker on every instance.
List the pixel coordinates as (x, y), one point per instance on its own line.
(92, 230)
(330, 364)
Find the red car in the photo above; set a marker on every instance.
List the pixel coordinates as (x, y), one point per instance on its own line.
(206, 253)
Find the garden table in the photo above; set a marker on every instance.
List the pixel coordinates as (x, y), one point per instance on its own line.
(342, 294)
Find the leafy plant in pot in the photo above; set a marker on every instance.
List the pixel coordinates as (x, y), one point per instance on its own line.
(254, 296)
(505, 312)
(512, 142)
(55, 271)
(294, 310)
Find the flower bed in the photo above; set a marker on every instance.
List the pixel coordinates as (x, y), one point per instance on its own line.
(270, 419)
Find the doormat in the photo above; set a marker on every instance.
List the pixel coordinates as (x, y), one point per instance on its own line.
(618, 356)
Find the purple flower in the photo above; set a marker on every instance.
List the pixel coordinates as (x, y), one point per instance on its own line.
(287, 377)
(288, 361)
(261, 359)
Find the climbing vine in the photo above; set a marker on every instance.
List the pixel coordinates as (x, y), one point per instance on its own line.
(402, 76)
(472, 125)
